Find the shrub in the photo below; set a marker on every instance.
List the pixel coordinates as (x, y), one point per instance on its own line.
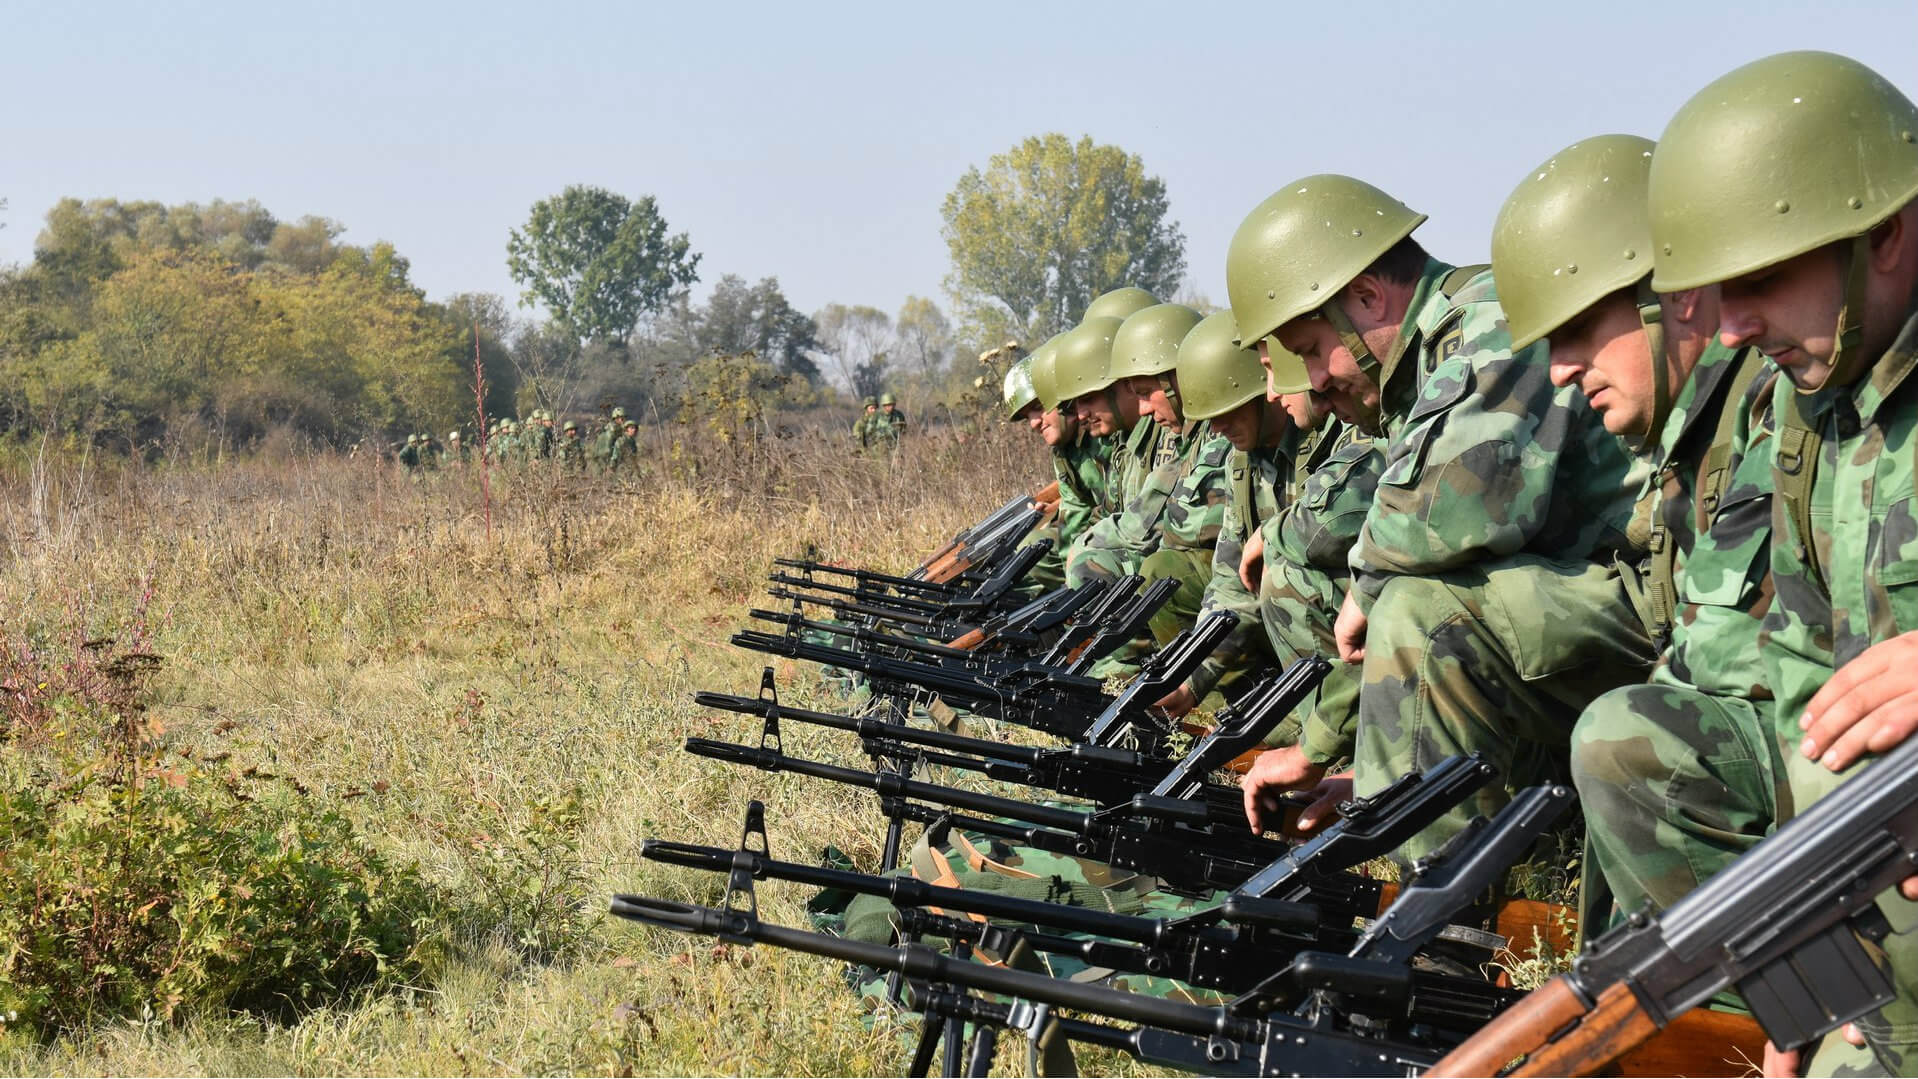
(138, 882)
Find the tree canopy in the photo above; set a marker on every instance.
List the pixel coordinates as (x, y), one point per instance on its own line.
(598, 262)
(1047, 226)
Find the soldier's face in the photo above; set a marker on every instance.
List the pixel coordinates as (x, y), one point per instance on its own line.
(1607, 354)
(1127, 403)
(1094, 413)
(1305, 407)
(1240, 426)
(1154, 401)
(1057, 428)
(1334, 371)
(1789, 312)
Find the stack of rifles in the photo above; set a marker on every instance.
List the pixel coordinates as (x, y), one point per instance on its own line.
(1316, 969)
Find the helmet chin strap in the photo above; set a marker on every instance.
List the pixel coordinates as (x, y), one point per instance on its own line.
(1369, 364)
(1652, 317)
(1171, 391)
(1848, 359)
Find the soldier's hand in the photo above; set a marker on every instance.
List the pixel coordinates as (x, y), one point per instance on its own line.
(1869, 706)
(1252, 561)
(1274, 773)
(1349, 630)
(1779, 1064)
(1332, 791)
(1178, 702)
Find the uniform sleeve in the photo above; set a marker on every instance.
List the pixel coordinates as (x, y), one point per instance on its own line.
(1470, 476)
(1245, 646)
(1320, 528)
(1075, 514)
(1195, 508)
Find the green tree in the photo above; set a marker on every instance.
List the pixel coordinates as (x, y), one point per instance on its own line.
(923, 336)
(598, 262)
(852, 338)
(1047, 226)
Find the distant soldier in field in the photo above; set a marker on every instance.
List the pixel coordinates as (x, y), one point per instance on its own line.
(572, 448)
(861, 427)
(609, 434)
(409, 454)
(430, 451)
(625, 451)
(888, 425)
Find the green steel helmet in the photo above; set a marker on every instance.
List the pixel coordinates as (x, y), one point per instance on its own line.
(1288, 371)
(869, 402)
(1120, 303)
(1043, 382)
(887, 399)
(1777, 158)
(571, 426)
(1018, 391)
(412, 440)
(1082, 361)
(1299, 247)
(1575, 231)
(1216, 373)
(619, 412)
(452, 436)
(1148, 341)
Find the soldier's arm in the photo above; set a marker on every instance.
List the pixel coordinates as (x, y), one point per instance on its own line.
(1224, 591)
(1320, 528)
(1195, 508)
(1076, 512)
(1471, 475)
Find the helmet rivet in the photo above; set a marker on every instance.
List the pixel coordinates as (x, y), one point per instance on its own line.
(1630, 254)
(1668, 249)
(1358, 232)
(1573, 268)
(1781, 206)
(1908, 136)
(1855, 202)
(1272, 294)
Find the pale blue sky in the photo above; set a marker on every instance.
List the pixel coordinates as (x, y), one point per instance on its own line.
(816, 142)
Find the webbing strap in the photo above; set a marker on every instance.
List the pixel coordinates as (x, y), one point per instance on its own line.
(1794, 474)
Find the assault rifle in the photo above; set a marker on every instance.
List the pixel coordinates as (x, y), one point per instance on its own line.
(1184, 831)
(988, 595)
(1782, 925)
(1361, 1014)
(1251, 937)
(1102, 774)
(1017, 517)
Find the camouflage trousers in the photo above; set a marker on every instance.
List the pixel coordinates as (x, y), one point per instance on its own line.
(1297, 605)
(1498, 659)
(1891, 1032)
(1191, 569)
(1675, 783)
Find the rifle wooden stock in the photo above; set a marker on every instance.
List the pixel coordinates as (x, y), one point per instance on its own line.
(1590, 1040)
(950, 561)
(969, 640)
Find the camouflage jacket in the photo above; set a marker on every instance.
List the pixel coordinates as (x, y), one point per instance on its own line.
(1319, 527)
(1699, 448)
(1262, 483)
(1143, 449)
(1181, 504)
(1484, 457)
(1081, 472)
(1725, 588)
(1849, 579)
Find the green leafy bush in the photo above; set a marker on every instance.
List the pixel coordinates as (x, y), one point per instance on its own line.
(137, 882)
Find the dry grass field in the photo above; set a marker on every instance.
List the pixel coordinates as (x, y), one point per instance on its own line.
(496, 715)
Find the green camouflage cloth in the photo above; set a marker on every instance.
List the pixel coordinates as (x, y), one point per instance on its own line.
(1682, 775)
(1144, 448)
(1081, 470)
(1169, 531)
(1180, 503)
(1263, 482)
(1863, 589)
(1486, 562)
(1307, 549)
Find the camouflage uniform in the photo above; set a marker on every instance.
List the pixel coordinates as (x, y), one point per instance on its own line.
(1080, 470)
(1679, 776)
(1860, 590)
(1307, 550)
(1485, 565)
(1263, 482)
(1139, 486)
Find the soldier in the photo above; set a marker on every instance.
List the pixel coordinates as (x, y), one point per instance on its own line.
(572, 448)
(888, 425)
(1651, 367)
(1790, 183)
(862, 427)
(456, 447)
(1079, 462)
(1223, 382)
(1485, 569)
(409, 454)
(608, 434)
(505, 447)
(1120, 303)
(1087, 387)
(429, 451)
(625, 451)
(1144, 346)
